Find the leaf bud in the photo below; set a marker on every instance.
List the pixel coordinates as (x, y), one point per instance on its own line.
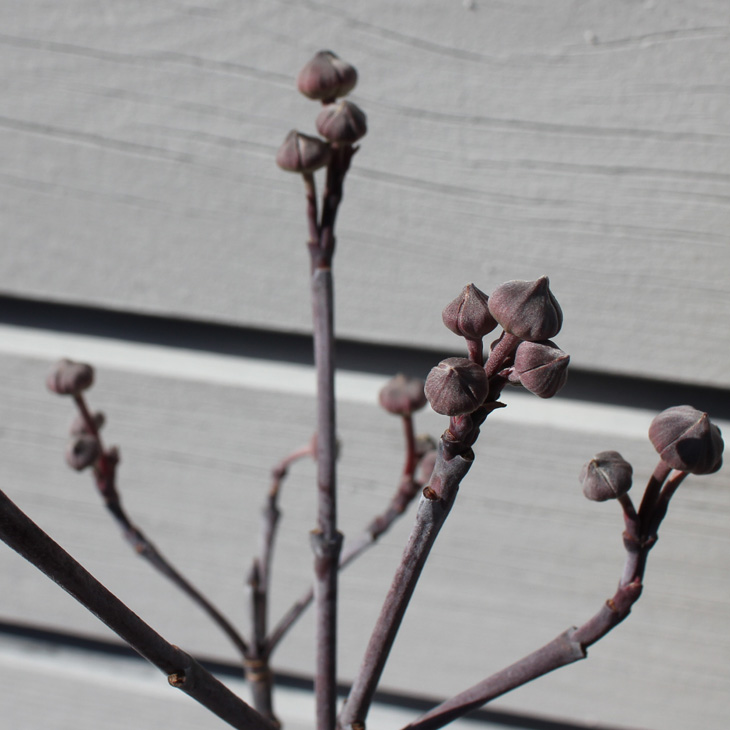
(342, 122)
(79, 427)
(456, 386)
(326, 77)
(527, 309)
(70, 378)
(468, 315)
(402, 396)
(302, 153)
(82, 451)
(541, 367)
(687, 440)
(606, 476)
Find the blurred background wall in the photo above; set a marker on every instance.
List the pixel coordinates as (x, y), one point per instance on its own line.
(148, 230)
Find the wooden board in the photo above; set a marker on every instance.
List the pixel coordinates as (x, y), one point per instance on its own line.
(522, 557)
(506, 140)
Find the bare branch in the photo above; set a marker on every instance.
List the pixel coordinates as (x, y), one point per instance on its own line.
(105, 472)
(20, 533)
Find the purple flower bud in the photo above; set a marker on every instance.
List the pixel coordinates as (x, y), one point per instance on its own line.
(402, 396)
(687, 440)
(468, 315)
(456, 386)
(542, 367)
(70, 378)
(301, 153)
(342, 122)
(78, 425)
(326, 77)
(82, 451)
(527, 309)
(606, 476)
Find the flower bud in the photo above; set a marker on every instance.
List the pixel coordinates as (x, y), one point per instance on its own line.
(456, 386)
(326, 77)
(687, 440)
(541, 367)
(342, 122)
(606, 476)
(70, 378)
(468, 315)
(301, 153)
(527, 309)
(402, 396)
(78, 425)
(83, 451)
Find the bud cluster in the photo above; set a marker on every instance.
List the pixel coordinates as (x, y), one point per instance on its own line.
(326, 78)
(84, 449)
(524, 354)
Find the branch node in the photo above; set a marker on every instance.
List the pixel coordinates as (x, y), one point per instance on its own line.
(176, 679)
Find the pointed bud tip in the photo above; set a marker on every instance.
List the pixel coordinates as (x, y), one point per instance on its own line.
(606, 476)
(527, 309)
(468, 315)
(326, 77)
(456, 386)
(342, 122)
(686, 439)
(541, 367)
(302, 153)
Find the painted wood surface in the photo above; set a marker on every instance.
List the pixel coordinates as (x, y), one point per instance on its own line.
(585, 140)
(83, 691)
(522, 557)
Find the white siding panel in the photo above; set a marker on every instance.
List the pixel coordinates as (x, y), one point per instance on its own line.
(522, 557)
(71, 689)
(588, 141)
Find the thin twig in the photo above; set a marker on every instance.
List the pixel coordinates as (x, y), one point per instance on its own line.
(105, 478)
(572, 645)
(651, 493)
(407, 489)
(310, 191)
(26, 538)
(256, 665)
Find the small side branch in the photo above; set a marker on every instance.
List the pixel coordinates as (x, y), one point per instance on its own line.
(256, 663)
(639, 538)
(105, 473)
(562, 650)
(568, 647)
(407, 489)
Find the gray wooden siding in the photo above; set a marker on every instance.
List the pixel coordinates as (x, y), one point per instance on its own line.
(588, 141)
(522, 557)
(583, 140)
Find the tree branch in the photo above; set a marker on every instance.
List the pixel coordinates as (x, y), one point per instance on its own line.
(435, 505)
(19, 532)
